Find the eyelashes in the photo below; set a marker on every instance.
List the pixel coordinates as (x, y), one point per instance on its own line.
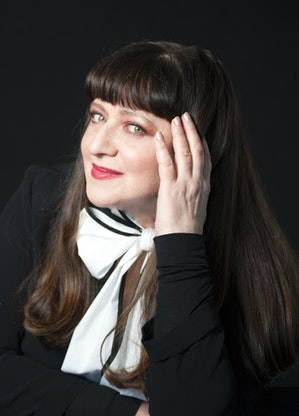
(96, 117)
(134, 128)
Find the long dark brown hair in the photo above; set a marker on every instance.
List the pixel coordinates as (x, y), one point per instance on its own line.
(254, 271)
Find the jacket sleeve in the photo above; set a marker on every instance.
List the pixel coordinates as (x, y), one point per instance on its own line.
(190, 372)
(28, 385)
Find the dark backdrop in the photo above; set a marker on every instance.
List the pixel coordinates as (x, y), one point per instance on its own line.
(48, 47)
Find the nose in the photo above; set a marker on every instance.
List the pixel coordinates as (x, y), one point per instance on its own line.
(103, 141)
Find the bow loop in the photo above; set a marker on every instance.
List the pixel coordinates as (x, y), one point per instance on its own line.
(104, 237)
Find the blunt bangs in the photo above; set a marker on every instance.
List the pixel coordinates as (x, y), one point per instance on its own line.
(145, 78)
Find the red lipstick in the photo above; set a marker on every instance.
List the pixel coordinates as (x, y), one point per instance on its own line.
(102, 173)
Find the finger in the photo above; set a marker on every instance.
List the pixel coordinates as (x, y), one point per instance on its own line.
(183, 156)
(195, 145)
(166, 166)
(208, 163)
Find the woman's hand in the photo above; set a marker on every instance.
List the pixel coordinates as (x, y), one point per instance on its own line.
(143, 410)
(184, 180)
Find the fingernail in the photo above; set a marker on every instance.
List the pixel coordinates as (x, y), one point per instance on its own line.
(159, 136)
(177, 121)
(187, 117)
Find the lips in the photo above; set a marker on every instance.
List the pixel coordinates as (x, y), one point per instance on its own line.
(103, 173)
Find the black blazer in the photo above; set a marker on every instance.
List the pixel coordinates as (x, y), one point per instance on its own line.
(190, 371)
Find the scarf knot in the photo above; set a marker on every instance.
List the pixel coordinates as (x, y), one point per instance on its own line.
(146, 239)
(105, 236)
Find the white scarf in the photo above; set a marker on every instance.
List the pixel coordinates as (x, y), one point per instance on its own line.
(105, 236)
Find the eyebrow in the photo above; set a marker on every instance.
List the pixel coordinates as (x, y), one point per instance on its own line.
(97, 105)
(129, 112)
(125, 111)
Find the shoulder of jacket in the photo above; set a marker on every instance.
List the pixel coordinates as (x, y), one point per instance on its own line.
(58, 169)
(43, 184)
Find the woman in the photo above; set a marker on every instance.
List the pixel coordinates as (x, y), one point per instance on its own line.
(158, 280)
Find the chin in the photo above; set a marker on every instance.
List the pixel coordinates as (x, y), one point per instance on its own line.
(99, 204)
(95, 199)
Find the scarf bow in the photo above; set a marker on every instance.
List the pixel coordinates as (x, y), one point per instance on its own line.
(104, 238)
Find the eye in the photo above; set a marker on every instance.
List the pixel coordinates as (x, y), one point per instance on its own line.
(136, 129)
(96, 117)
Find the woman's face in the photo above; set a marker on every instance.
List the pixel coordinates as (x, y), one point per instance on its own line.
(120, 165)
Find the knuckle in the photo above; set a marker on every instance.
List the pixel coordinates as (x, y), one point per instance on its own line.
(187, 153)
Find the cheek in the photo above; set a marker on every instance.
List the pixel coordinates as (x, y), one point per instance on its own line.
(145, 164)
(148, 176)
(84, 145)
(85, 150)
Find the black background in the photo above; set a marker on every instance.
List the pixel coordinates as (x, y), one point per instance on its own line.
(48, 47)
